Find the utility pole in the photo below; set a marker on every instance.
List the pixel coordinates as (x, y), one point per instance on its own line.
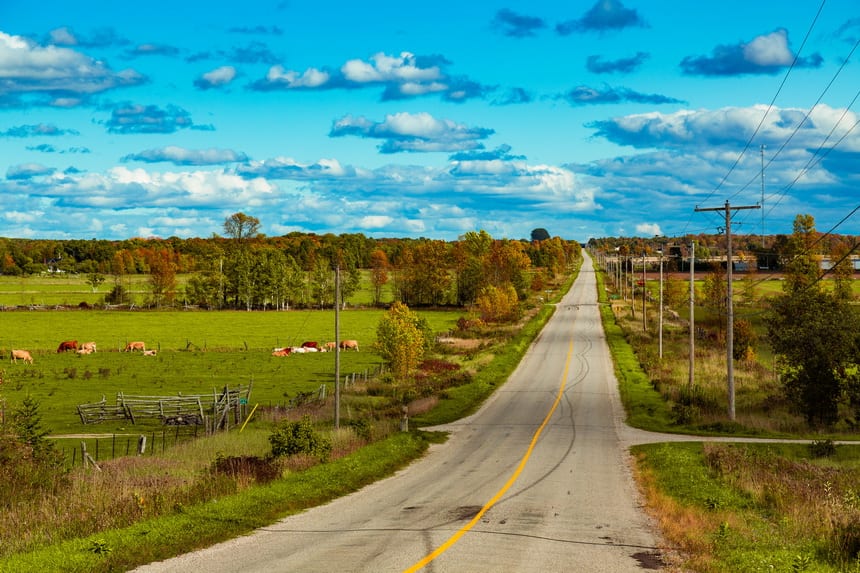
(644, 296)
(337, 346)
(762, 198)
(730, 314)
(660, 336)
(692, 314)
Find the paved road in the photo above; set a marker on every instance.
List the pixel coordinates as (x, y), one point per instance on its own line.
(493, 498)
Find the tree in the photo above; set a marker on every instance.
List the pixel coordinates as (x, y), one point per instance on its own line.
(402, 339)
(842, 271)
(715, 294)
(241, 226)
(801, 265)
(817, 335)
(498, 304)
(539, 234)
(379, 266)
(162, 277)
(94, 280)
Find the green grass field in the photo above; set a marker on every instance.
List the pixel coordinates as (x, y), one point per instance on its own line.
(198, 352)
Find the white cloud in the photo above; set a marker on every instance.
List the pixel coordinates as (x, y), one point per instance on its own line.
(648, 230)
(769, 50)
(220, 76)
(310, 78)
(28, 68)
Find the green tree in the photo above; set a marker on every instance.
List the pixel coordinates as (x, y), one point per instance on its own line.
(94, 280)
(715, 293)
(801, 265)
(539, 234)
(402, 339)
(842, 271)
(817, 335)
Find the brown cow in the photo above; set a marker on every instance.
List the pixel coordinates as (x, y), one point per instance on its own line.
(311, 344)
(132, 346)
(21, 355)
(90, 347)
(349, 345)
(281, 351)
(67, 346)
(329, 346)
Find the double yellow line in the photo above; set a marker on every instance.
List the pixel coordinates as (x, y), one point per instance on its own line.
(462, 531)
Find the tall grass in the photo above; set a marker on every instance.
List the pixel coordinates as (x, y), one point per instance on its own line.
(755, 507)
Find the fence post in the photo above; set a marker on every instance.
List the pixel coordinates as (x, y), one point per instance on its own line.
(141, 445)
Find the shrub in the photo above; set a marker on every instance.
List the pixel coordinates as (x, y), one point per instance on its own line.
(822, 448)
(291, 438)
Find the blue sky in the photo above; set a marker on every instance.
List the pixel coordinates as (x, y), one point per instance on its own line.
(393, 119)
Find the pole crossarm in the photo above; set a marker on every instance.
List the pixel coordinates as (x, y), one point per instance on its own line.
(730, 315)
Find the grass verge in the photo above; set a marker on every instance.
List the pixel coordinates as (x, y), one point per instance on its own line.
(755, 507)
(220, 519)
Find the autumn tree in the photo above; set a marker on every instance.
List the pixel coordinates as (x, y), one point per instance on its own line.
(162, 277)
(379, 266)
(402, 339)
(498, 304)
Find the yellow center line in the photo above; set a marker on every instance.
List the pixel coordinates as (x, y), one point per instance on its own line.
(462, 531)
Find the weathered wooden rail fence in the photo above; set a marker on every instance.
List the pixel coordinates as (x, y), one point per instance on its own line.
(210, 410)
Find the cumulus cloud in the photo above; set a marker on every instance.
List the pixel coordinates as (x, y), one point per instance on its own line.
(28, 171)
(731, 127)
(58, 72)
(648, 229)
(502, 153)
(129, 118)
(597, 65)
(766, 54)
(514, 25)
(100, 38)
(586, 95)
(400, 77)
(289, 168)
(420, 132)
(219, 77)
(37, 130)
(182, 156)
(605, 15)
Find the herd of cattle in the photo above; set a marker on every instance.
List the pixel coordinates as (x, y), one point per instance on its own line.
(311, 346)
(137, 346)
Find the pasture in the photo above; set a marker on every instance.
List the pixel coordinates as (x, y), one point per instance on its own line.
(198, 352)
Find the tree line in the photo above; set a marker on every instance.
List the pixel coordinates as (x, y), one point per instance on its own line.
(244, 269)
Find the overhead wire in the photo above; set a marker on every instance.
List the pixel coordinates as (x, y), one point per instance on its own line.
(771, 104)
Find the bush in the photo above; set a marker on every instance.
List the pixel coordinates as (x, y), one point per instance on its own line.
(291, 438)
(822, 448)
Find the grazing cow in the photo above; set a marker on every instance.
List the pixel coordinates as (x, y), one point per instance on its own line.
(281, 351)
(311, 344)
(349, 345)
(83, 350)
(67, 345)
(22, 355)
(329, 346)
(132, 346)
(89, 347)
(149, 352)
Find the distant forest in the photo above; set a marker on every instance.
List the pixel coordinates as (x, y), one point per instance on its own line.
(248, 270)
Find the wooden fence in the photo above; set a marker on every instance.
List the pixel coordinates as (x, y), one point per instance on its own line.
(211, 410)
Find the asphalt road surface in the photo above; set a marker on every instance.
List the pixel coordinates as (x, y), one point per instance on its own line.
(537, 480)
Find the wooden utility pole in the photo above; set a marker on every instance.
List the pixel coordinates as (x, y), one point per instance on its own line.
(337, 347)
(692, 314)
(730, 314)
